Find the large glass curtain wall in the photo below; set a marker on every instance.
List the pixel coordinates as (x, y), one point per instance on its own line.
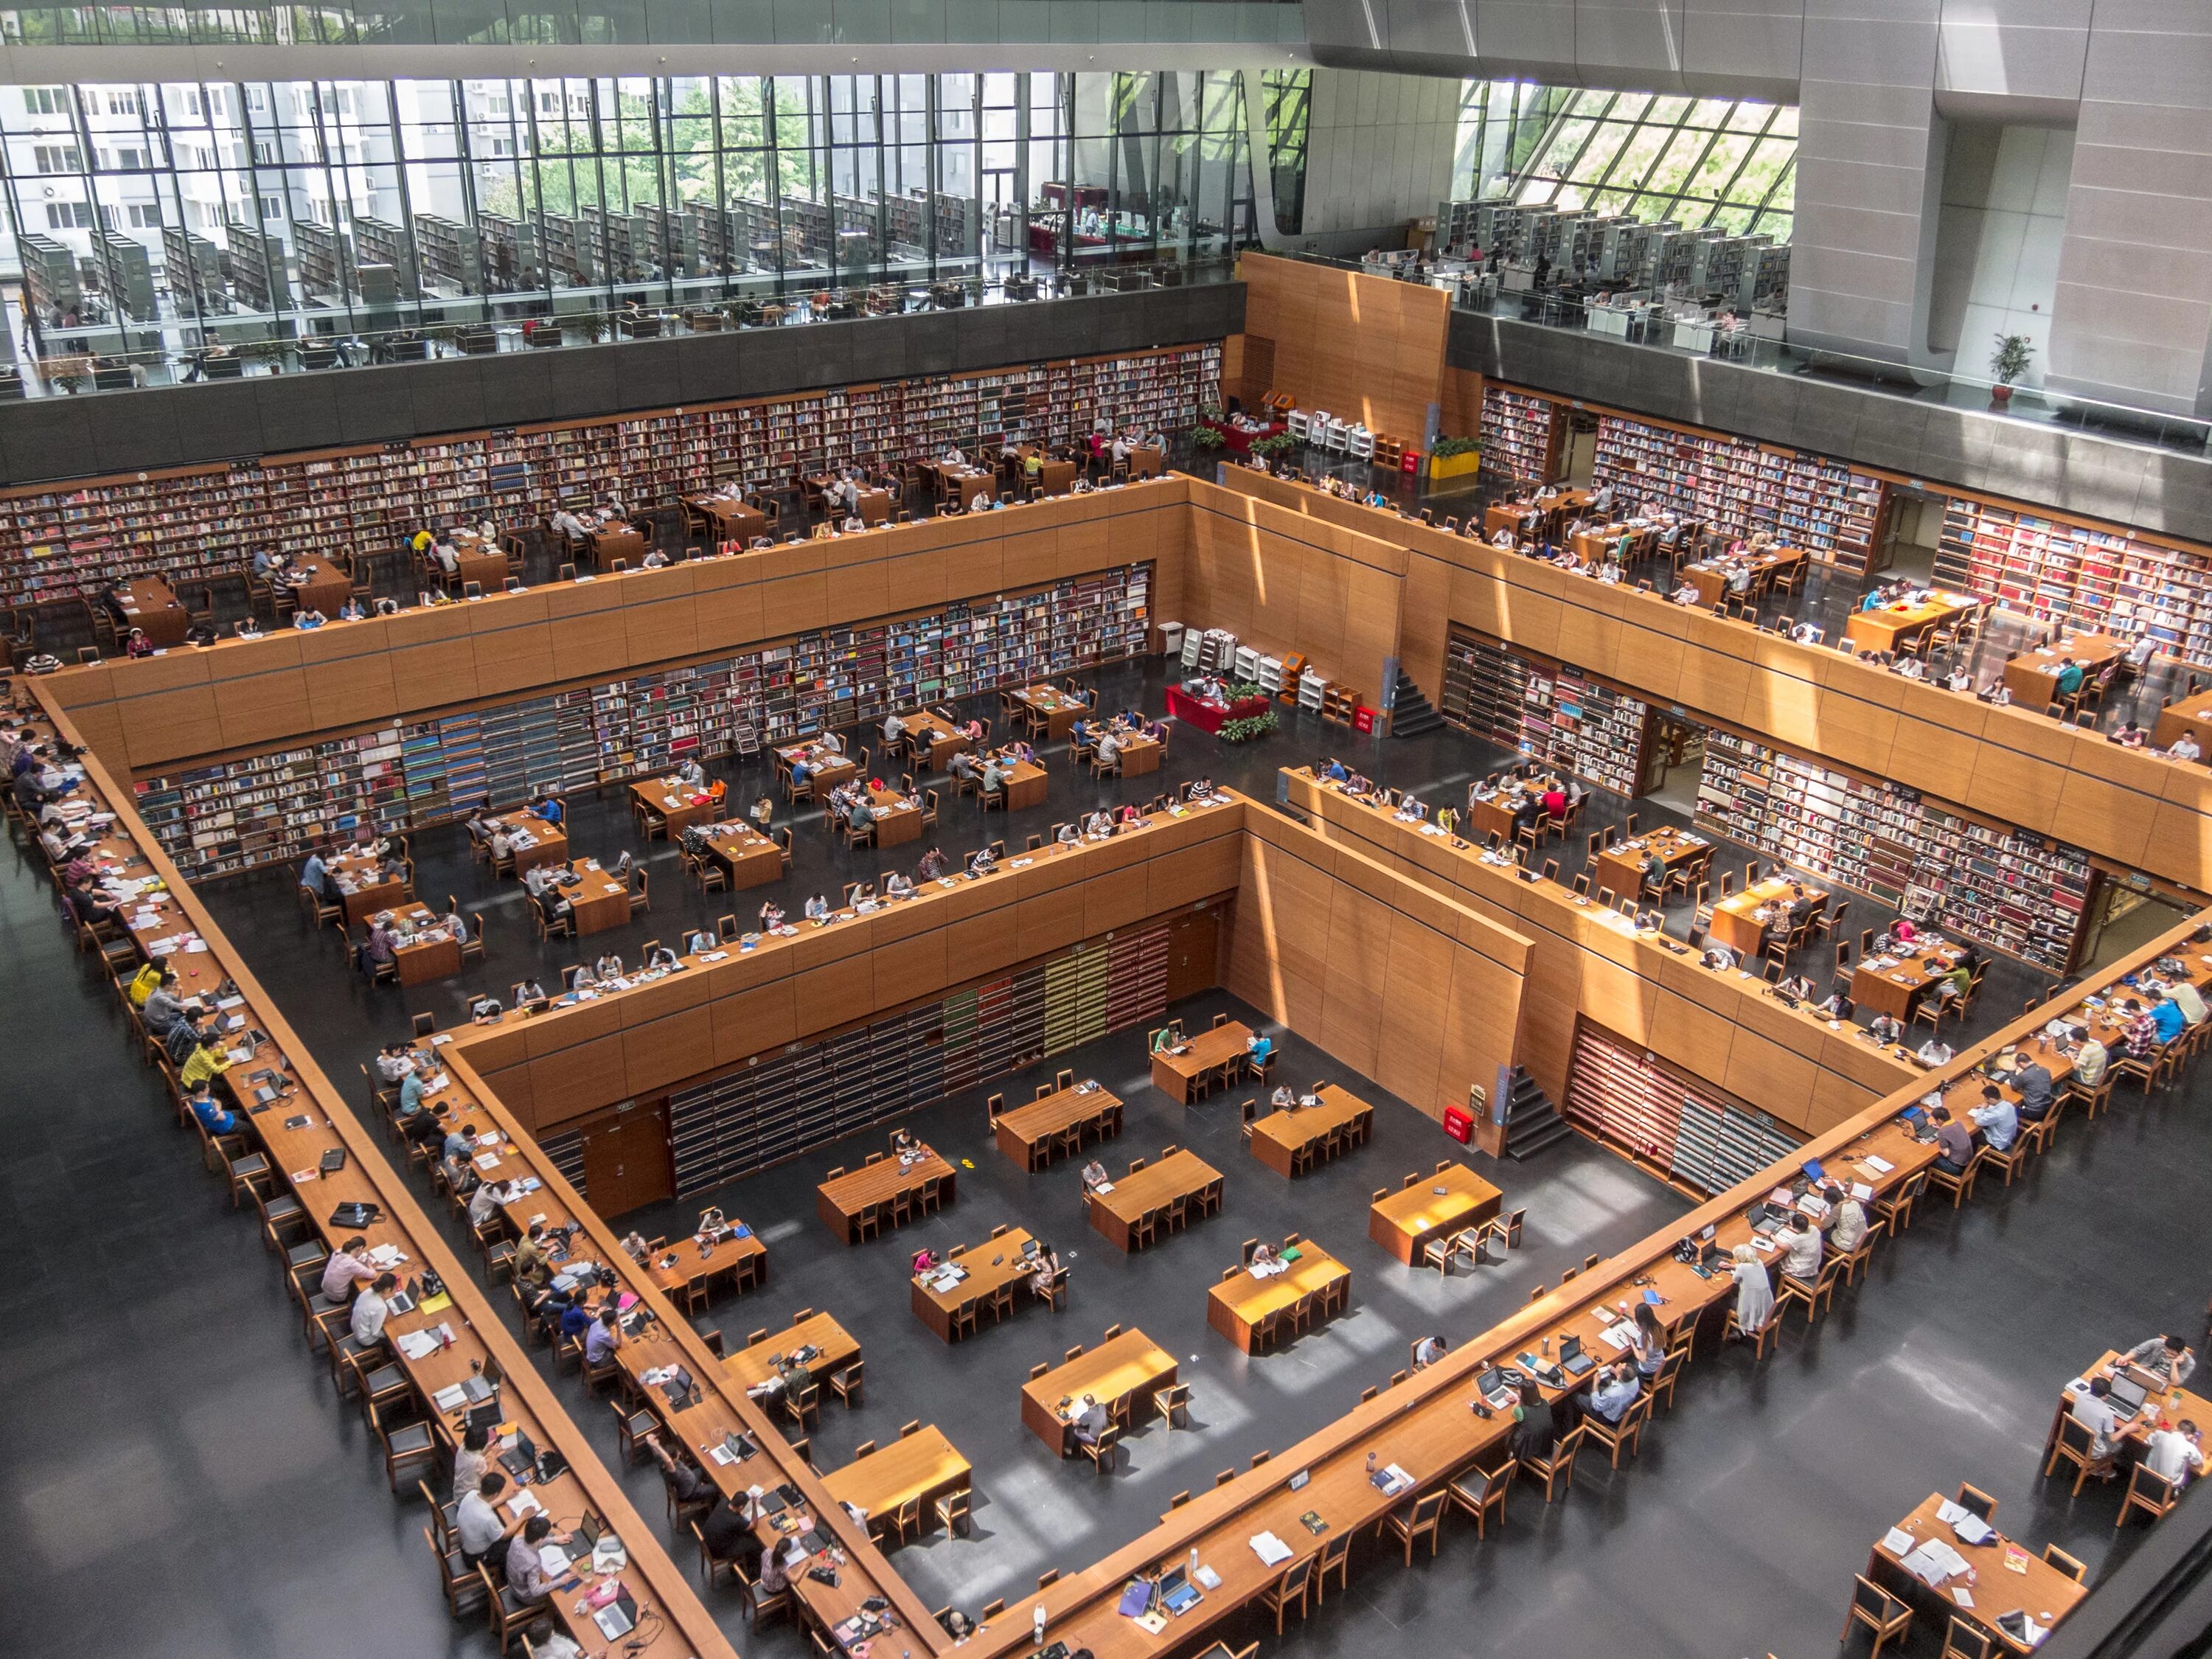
(273, 209)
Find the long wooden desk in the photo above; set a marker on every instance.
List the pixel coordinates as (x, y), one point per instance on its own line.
(916, 1468)
(475, 560)
(1496, 816)
(1454, 1198)
(1279, 1137)
(751, 858)
(1710, 578)
(149, 604)
(1886, 627)
(1053, 709)
(1236, 1307)
(933, 741)
(1621, 866)
(2032, 676)
(318, 584)
(841, 1200)
(423, 959)
(992, 1264)
(695, 1265)
(549, 841)
(1117, 1374)
(754, 1365)
(1893, 990)
(1173, 1074)
(1737, 922)
(614, 540)
(362, 888)
(2037, 1589)
(678, 803)
(898, 820)
(1183, 1174)
(1024, 785)
(1139, 756)
(597, 902)
(733, 520)
(1028, 1133)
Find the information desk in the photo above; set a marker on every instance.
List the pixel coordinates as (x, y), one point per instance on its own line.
(2037, 1589)
(597, 901)
(1210, 717)
(995, 1265)
(424, 957)
(1893, 625)
(678, 803)
(2032, 676)
(898, 820)
(362, 888)
(1050, 710)
(1237, 1307)
(150, 605)
(917, 1468)
(1621, 866)
(2192, 715)
(1283, 1136)
(1121, 1375)
(1740, 920)
(1183, 1174)
(549, 841)
(842, 1199)
(696, 1264)
(933, 740)
(1173, 1074)
(1030, 1134)
(1895, 990)
(1454, 1198)
(751, 858)
(751, 1366)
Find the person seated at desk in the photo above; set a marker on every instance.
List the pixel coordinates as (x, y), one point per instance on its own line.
(1799, 1242)
(896, 886)
(1717, 956)
(1264, 1256)
(527, 1580)
(932, 864)
(214, 1116)
(1797, 986)
(1099, 825)
(2166, 1358)
(660, 956)
(2187, 998)
(488, 1200)
(953, 456)
(2094, 1411)
(161, 1008)
(607, 968)
(1044, 1267)
(2068, 681)
(526, 991)
(1933, 1053)
(206, 1061)
(691, 775)
(2031, 1077)
(817, 908)
(482, 1534)
(1536, 1425)
(1428, 1350)
(983, 862)
(1614, 1391)
(963, 766)
(2174, 1454)
(996, 771)
(395, 1062)
(1069, 835)
(1995, 692)
(859, 813)
(552, 811)
(370, 1310)
(2129, 736)
(2167, 1018)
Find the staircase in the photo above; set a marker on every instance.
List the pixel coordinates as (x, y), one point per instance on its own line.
(1411, 713)
(1531, 1122)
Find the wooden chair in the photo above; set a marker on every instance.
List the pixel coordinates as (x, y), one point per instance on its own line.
(1973, 1498)
(1293, 1586)
(1966, 1641)
(2072, 1441)
(1879, 1611)
(2066, 1564)
(1480, 1495)
(2149, 1492)
(1422, 1518)
(1100, 1452)
(1627, 1433)
(1557, 1472)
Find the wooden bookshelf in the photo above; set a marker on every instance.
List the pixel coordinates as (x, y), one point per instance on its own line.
(1520, 435)
(1663, 1118)
(1552, 712)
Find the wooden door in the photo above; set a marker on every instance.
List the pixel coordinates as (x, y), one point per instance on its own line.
(626, 1158)
(1192, 941)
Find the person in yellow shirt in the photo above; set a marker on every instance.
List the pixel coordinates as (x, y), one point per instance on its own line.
(205, 1063)
(422, 541)
(147, 983)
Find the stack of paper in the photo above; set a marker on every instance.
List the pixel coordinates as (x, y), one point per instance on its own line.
(1272, 1551)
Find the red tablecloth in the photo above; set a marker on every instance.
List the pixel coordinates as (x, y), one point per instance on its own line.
(1209, 716)
(1239, 443)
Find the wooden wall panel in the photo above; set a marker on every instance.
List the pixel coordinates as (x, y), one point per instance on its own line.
(1361, 347)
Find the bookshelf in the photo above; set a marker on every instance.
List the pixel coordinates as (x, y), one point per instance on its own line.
(257, 266)
(325, 259)
(777, 1105)
(60, 541)
(1669, 1122)
(2019, 892)
(50, 277)
(452, 253)
(191, 269)
(377, 242)
(1555, 714)
(1520, 435)
(264, 809)
(1740, 486)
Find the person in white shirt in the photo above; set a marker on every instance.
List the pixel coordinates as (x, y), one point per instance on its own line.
(485, 1203)
(1800, 1243)
(370, 1307)
(1849, 1220)
(953, 456)
(569, 525)
(2174, 1453)
(2185, 748)
(1754, 1291)
(897, 886)
(1428, 1350)
(477, 1520)
(1108, 746)
(894, 728)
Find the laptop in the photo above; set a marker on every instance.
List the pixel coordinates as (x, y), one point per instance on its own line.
(484, 1416)
(2128, 1394)
(584, 1539)
(1572, 1360)
(1491, 1386)
(520, 1457)
(1764, 1220)
(1177, 1593)
(617, 1618)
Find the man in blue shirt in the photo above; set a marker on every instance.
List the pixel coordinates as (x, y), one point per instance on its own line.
(2166, 1014)
(1996, 1120)
(215, 1117)
(411, 1094)
(315, 876)
(604, 1338)
(549, 809)
(2069, 677)
(1614, 1392)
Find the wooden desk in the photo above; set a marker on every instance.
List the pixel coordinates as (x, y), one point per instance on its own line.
(1405, 1222)
(1122, 1376)
(1736, 923)
(150, 605)
(916, 1468)
(992, 1266)
(1496, 815)
(898, 820)
(751, 859)
(318, 584)
(831, 767)
(1281, 1135)
(424, 959)
(2042, 1592)
(1028, 1133)
(839, 1201)
(749, 1367)
(875, 507)
(1236, 1307)
(2032, 676)
(1895, 990)
(1513, 518)
(1621, 866)
(1882, 629)
(1173, 1074)
(1711, 577)
(1024, 786)
(1144, 462)
(931, 741)
(731, 520)
(598, 901)
(1053, 709)
(615, 541)
(1115, 1215)
(549, 841)
(2192, 715)
(693, 1265)
(678, 803)
(1140, 756)
(2163, 1408)
(475, 560)
(961, 485)
(361, 887)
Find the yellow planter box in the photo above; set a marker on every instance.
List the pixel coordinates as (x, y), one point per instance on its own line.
(1455, 466)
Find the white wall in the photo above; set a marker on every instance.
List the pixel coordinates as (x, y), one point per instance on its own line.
(1379, 151)
(1997, 254)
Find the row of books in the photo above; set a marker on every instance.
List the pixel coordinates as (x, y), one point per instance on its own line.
(1551, 713)
(69, 540)
(1520, 440)
(1680, 1128)
(237, 814)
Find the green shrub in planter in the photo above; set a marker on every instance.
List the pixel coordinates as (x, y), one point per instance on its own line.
(1245, 730)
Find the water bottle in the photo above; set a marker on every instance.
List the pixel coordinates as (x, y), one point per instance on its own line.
(1038, 1619)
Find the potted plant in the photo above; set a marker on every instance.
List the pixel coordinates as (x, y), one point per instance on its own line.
(1454, 458)
(2008, 363)
(1206, 438)
(1248, 728)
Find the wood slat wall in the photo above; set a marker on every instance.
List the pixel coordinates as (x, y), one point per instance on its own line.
(1363, 348)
